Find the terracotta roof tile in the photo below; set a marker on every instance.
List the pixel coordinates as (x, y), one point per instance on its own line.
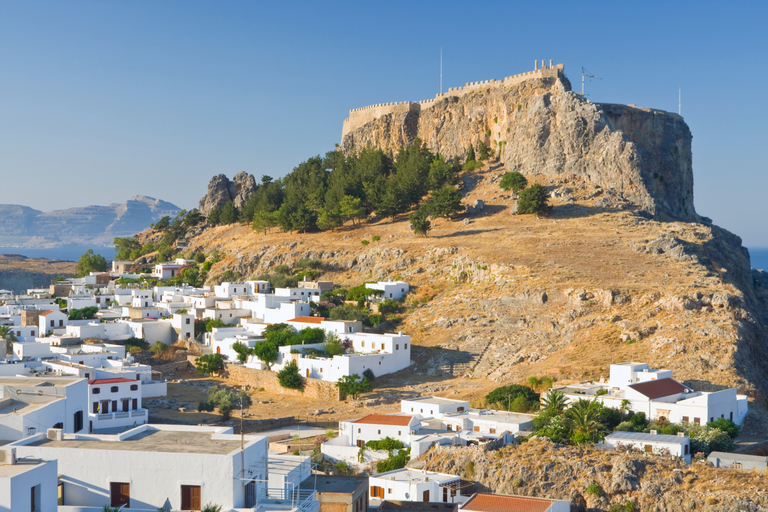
(109, 381)
(501, 503)
(308, 319)
(386, 419)
(659, 388)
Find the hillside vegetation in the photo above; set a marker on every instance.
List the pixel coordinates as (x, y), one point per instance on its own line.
(506, 297)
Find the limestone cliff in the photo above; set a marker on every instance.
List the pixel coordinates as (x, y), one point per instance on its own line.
(538, 126)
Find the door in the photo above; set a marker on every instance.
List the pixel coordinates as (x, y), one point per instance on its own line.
(250, 494)
(425, 496)
(120, 494)
(190, 497)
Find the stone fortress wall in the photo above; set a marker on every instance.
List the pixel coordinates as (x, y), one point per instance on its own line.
(360, 116)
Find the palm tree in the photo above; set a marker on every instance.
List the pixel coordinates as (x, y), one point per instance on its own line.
(554, 402)
(7, 334)
(584, 419)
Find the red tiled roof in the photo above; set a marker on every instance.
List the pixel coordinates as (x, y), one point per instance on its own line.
(501, 503)
(308, 319)
(659, 388)
(47, 313)
(386, 419)
(109, 381)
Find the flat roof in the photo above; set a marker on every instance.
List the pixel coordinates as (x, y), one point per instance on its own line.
(738, 456)
(38, 381)
(334, 484)
(111, 381)
(435, 400)
(659, 388)
(21, 466)
(642, 436)
(150, 440)
(413, 475)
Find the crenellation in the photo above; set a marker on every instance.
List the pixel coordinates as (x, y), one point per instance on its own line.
(360, 116)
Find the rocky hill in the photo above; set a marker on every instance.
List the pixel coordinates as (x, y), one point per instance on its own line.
(221, 191)
(502, 297)
(538, 126)
(595, 480)
(19, 274)
(21, 226)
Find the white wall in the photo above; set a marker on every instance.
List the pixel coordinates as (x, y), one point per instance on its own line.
(15, 491)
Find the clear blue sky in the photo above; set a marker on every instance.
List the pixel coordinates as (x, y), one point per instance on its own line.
(103, 100)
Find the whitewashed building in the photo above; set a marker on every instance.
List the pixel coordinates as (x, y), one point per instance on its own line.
(660, 444)
(30, 405)
(115, 403)
(27, 484)
(416, 485)
(187, 465)
(432, 406)
(394, 290)
(658, 395)
(52, 321)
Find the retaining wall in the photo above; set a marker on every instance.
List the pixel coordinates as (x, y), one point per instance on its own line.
(313, 388)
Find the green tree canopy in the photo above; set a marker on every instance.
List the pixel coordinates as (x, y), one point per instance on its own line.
(289, 376)
(266, 351)
(420, 224)
(514, 397)
(445, 202)
(90, 262)
(533, 200)
(210, 363)
(513, 181)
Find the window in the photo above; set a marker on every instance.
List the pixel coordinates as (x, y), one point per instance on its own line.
(648, 448)
(53, 324)
(405, 346)
(382, 346)
(686, 450)
(379, 431)
(190, 497)
(87, 375)
(95, 407)
(476, 428)
(493, 431)
(113, 389)
(120, 494)
(389, 490)
(449, 427)
(737, 465)
(460, 409)
(359, 443)
(135, 403)
(187, 321)
(114, 405)
(399, 432)
(712, 419)
(377, 492)
(697, 421)
(61, 323)
(96, 391)
(686, 419)
(397, 346)
(125, 404)
(134, 387)
(78, 421)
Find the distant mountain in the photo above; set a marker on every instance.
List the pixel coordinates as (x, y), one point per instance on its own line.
(21, 226)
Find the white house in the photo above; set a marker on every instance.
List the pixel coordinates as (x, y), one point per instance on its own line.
(338, 327)
(52, 320)
(168, 270)
(115, 403)
(189, 466)
(415, 485)
(432, 406)
(33, 404)
(380, 353)
(660, 444)
(228, 290)
(394, 290)
(482, 502)
(658, 395)
(27, 484)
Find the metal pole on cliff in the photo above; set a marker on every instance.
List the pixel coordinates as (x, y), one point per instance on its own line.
(679, 101)
(441, 70)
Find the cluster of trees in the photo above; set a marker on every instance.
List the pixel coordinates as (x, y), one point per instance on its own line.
(84, 313)
(325, 192)
(210, 363)
(515, 398)
(131, 249)
(90, 262)
(289, 376)
(533, 199)
(279, 335)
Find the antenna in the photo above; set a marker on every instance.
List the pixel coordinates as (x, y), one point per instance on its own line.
(441, 70)
(585, 74)
(679, 101)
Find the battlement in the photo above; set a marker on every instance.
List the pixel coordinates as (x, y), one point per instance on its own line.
(360, 116)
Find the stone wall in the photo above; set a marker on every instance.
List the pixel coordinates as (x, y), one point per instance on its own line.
(175, 367)
(360, 116)
(313, 388)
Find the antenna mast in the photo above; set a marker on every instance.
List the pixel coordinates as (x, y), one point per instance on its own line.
(585, 74)
(441, 70)
(679, 101)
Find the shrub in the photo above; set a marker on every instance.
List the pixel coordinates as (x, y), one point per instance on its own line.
(375, 238)
(625, 426)
(205, 407)
(594, 490)
(397, 462)
(727, 426)
(514, 398)
(469, 468)
(387, 444)
(334, 347)
(364, 242)
(388, 306)
(289, 376)
(375, 319)
(353, 385)
(368, 374)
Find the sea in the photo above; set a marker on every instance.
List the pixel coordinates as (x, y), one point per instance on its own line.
(66, 253)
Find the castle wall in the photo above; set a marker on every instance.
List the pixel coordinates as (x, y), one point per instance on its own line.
(360, 116)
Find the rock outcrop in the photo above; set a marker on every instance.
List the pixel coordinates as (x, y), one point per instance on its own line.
(539, 126)
(221, 190)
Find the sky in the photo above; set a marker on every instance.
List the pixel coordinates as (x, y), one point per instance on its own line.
(104, 100)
